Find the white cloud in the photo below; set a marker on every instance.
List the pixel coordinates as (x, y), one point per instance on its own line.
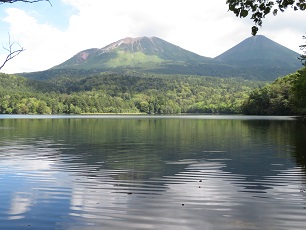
(196, 25)
(42, 42)
(20, 204)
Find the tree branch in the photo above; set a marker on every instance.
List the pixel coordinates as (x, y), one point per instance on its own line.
(259, 9)
(11, 53)
(302, 58)
(25, 1)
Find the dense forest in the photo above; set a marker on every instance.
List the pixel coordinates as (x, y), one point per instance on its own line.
(285, 96)
(125, 92)
(133, 92)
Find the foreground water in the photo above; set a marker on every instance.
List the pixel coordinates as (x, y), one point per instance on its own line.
(149, 172)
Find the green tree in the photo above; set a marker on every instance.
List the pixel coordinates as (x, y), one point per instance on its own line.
(258, 102)
(303, 56)
(299, 92)
(42, 108)
(285, 96)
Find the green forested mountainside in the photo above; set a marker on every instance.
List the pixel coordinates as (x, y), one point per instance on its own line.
(255, 58)
(13, 83)
(126, 92)
(213, 70)
(285, 96)
(132, 52)
(55, 73)
(253, 73)
(133, 92)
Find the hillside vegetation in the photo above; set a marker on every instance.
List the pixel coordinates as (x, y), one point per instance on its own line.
(125, 92)
(285, 96)
(150, 75)
(133, 92)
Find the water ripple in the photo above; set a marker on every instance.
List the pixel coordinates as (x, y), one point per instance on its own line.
(116, 183)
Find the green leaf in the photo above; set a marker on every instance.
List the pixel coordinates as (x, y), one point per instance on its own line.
(267, 10)
(254, 30)
(244, 13)
(262, 7)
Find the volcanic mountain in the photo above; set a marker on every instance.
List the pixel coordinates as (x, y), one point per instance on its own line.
(133, 52)
(260, 51)
(257, 58)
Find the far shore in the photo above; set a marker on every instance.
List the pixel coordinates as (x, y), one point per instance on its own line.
(113, 113)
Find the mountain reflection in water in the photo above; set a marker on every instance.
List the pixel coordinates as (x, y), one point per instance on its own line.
(152, 173)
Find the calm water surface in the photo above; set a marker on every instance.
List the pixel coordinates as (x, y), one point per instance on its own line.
(152, 172)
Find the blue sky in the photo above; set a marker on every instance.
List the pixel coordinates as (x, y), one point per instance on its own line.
(58, 14)
(52, 34)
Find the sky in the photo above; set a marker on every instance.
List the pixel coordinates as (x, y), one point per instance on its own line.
(51, 34)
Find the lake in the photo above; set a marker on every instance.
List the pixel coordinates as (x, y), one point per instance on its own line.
(152, 172)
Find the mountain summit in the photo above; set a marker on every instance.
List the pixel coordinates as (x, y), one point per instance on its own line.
(256, 57)
(260, 51)
(132, 52)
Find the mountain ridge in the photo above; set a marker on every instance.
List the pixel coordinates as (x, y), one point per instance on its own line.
(254, 58)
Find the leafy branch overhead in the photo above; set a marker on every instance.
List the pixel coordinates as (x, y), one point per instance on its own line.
(26, 1)
(258, 9)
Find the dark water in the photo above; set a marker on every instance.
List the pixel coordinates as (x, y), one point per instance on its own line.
(140, 172)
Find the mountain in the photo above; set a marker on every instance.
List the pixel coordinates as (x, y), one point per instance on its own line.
(132, 52)
(256, 58)
(260, 51)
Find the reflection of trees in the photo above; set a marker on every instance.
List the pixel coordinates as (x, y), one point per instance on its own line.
(287, 139)
(111, 169)
(142, 146)
(288, 136)
(298, 140)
